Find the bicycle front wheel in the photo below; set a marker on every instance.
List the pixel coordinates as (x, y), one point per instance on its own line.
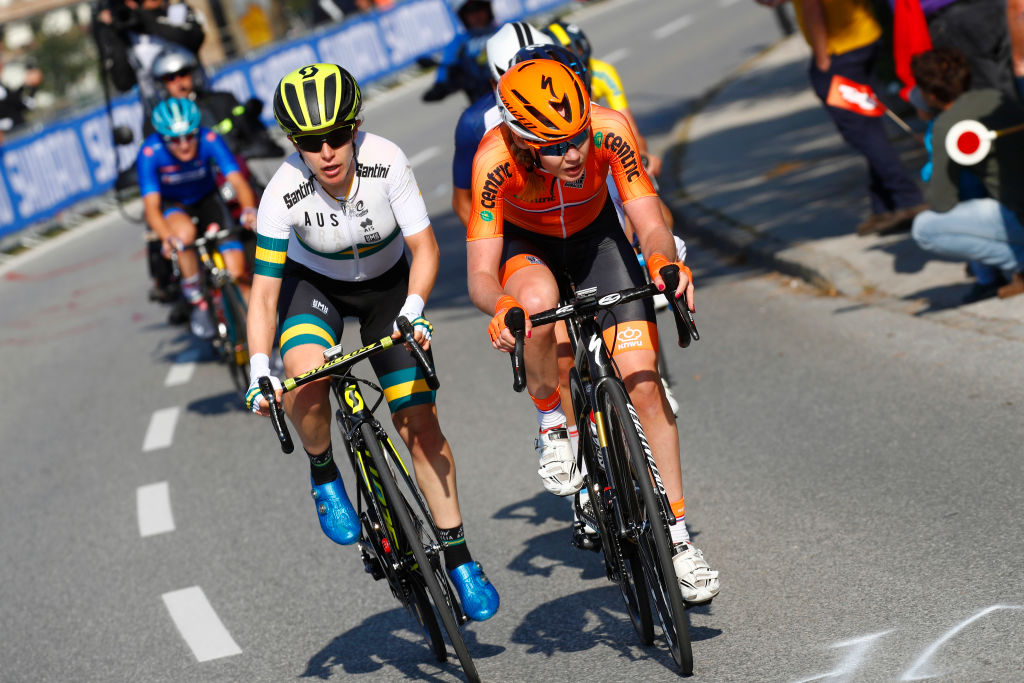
(620, 553)
(412, 528)
(649, 527)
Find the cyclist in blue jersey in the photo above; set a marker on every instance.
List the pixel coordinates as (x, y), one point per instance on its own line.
(474, 122)
(177, 167)
(463, 66)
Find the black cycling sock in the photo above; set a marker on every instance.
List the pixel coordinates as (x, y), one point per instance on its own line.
(456, 552)
(322, 467)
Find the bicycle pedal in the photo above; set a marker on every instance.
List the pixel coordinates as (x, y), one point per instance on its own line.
(584, 541)
(371, 564)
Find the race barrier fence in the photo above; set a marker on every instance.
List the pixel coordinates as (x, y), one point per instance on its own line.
(75, 159)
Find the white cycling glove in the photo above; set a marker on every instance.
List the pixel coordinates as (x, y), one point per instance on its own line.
(412, 310)
(259, 366)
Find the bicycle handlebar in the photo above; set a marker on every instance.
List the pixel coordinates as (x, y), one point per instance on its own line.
(338, 366)
(276, 415)
(405, 327)
(686, 329)
(515, 318)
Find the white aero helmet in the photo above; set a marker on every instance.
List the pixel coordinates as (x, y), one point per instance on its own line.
(510, 39)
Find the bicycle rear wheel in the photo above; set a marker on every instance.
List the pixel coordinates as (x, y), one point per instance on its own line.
(413, 529)
(650, 530)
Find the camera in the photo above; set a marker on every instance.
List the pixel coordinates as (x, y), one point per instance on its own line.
(124, 17)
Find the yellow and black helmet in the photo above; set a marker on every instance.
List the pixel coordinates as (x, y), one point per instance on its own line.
(316, 98)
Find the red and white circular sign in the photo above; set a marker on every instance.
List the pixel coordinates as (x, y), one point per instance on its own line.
(968, 142)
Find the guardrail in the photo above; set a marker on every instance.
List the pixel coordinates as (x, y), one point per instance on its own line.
(74, 159)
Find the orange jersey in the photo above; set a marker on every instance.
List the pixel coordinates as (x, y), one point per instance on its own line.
(562, 208)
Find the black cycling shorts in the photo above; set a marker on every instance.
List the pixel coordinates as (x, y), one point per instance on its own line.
(597, 256)
(312, 308)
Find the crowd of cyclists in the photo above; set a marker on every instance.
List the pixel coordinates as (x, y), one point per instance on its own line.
(546, 182)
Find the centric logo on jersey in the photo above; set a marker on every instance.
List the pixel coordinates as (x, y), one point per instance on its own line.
(486, 216)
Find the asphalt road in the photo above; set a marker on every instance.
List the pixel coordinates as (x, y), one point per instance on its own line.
(853, 473)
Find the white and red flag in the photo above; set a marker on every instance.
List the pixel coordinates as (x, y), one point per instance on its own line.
(853, 96)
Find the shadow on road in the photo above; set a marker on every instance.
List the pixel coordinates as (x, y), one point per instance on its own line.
(592, 618)
(391, 639)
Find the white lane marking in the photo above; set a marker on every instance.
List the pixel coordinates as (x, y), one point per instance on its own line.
(616, 55)
(83, 230)
(859, 648)
(919, 669)
(154, 509)
(420, 157)
(671, 27)
(199, 625)
(180, 373)
(727, 3)
(160, 432)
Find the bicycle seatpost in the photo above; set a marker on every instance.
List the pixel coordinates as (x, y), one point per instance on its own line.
(686, 329)
(515, 321)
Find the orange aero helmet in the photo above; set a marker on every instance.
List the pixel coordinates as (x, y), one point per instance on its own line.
(543, 101)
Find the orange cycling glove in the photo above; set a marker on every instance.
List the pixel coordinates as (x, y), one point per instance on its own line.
(658, 261)
(505, 302)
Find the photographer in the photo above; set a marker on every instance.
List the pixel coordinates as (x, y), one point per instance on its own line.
(177, 72)
(131, 34)
(14, 103)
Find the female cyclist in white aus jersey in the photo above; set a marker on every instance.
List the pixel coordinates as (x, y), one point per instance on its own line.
(331, 231)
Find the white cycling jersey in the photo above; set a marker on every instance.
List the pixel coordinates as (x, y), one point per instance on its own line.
(357, 238)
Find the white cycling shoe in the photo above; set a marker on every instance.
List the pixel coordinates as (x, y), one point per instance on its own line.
(697, 582)
(558, 462)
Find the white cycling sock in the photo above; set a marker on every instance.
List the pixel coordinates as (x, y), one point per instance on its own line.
(678, 531)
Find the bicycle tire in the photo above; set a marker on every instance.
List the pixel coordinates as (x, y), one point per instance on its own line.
(237, 357)
(423, 612)
(653, 545)
(403, 513)
(620, 558)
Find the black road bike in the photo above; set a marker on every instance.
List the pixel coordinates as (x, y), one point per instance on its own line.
(225, 303)
(627, 502)
(399, 540)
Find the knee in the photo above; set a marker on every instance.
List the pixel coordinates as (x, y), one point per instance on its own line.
(646, 392)
(924, 229)
(420, 429)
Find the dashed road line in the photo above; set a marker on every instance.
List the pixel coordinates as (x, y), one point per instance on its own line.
(160, 433)
(154, 509)
(199, 625)
(671, 27)
(180, 373)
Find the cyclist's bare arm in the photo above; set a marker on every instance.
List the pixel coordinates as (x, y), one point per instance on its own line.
(483, 258)
(426, 259)
(655, 237)
(462, 202)
(151, 207)
(262, 319)
(246, 197)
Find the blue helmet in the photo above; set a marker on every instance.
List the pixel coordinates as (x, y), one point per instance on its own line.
(175, 117)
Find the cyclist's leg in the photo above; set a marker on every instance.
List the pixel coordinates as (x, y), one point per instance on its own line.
(180, 223)
(414, 413)
(310, 324)
(209, 210)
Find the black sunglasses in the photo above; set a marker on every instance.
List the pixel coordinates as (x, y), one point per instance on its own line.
(339, 137)
(167, 78)
(560, 149)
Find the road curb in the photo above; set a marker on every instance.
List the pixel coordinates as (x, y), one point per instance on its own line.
(712, 226)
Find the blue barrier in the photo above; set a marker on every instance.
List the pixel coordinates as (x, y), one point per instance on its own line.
(74, 159)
